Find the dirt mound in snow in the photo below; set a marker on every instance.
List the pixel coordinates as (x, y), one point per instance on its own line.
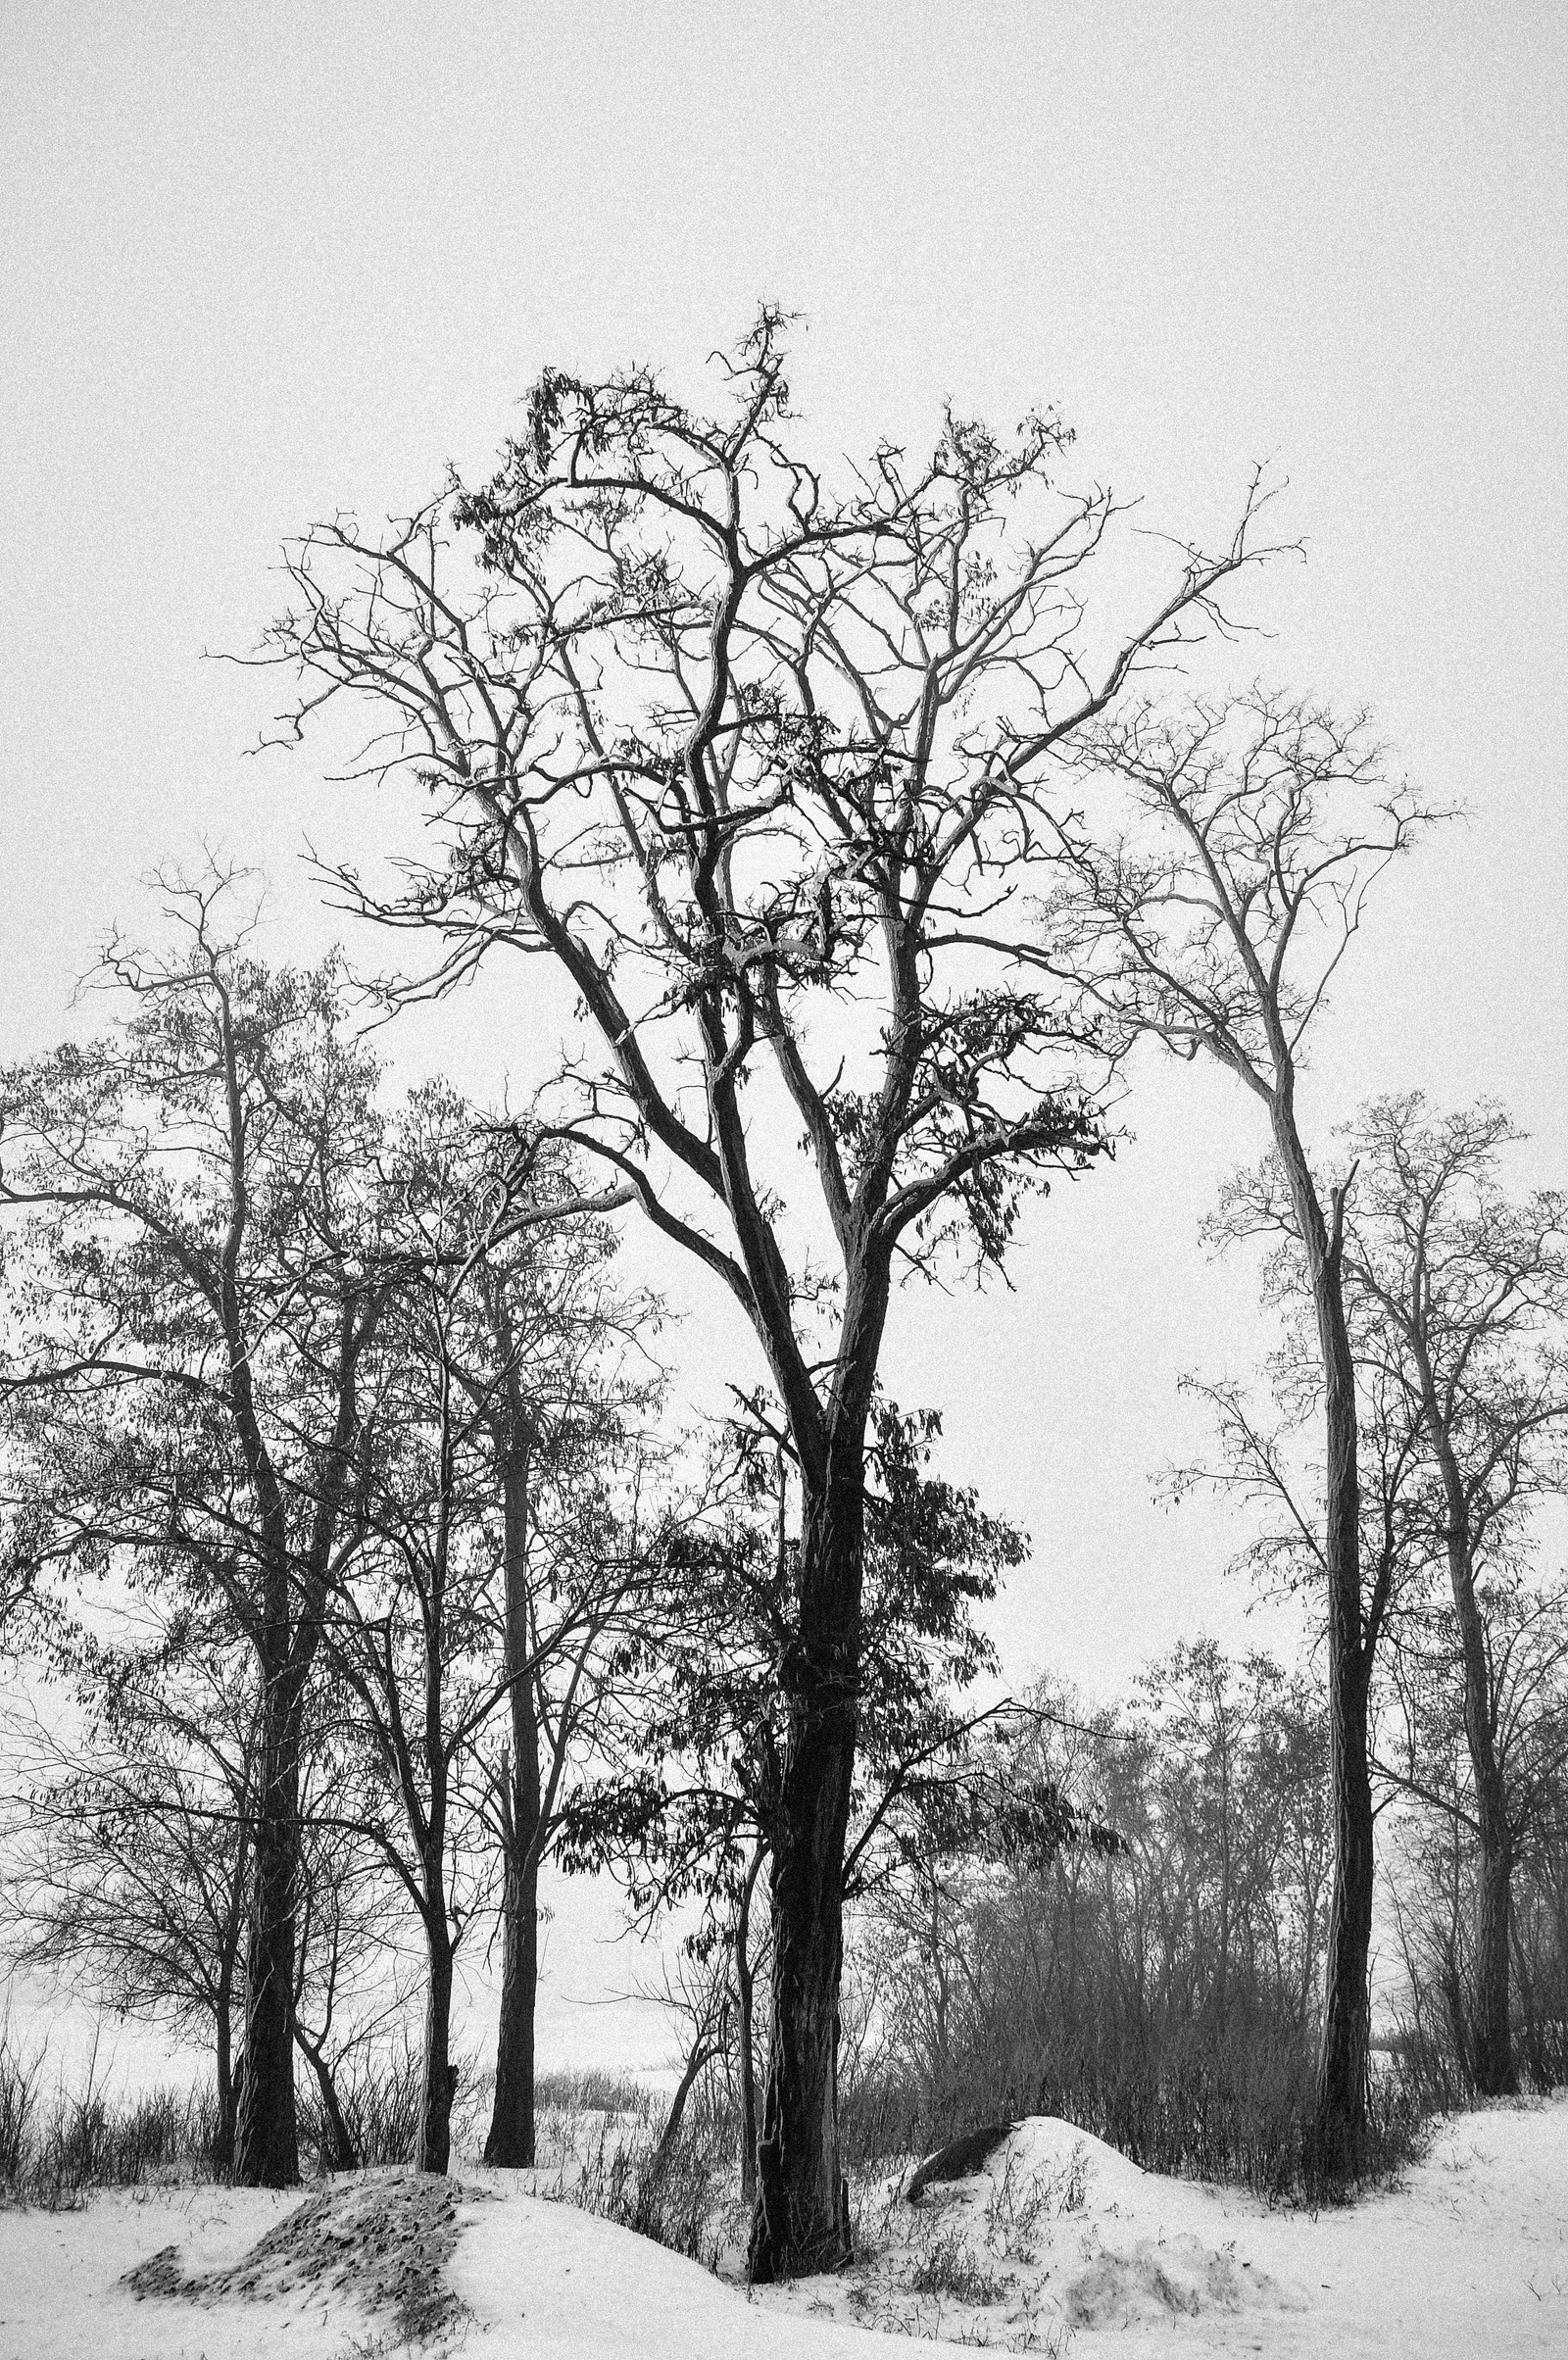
(959, 2159)
(386, 2239)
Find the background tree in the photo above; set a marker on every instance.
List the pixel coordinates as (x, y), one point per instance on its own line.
(423, 1622)
(564, 1392)
(131, 1832)
(192, 1298)
(131, 1838)
(1439, 1865)
(1153, 1973)
(1459, 1293)
(748, 757)
(1213, 914)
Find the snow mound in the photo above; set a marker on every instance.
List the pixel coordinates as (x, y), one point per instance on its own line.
(1173, 2278)
(1052, 2232)
(1059, 2158)
(384, 2238)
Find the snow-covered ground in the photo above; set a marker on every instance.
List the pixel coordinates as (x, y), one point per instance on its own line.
(1058, 2245)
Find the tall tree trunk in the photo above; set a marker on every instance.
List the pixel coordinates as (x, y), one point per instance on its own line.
(267, 2131)
(1345, 2056)
(802, 2221)
(432, 2148)
(745, 1988)
(1497, 2074)
(512, 2119)
(228, 2100)
(1491, 2028)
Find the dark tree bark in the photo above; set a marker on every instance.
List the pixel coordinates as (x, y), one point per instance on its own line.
(1344, 2055)
(745, 1991)
(511, 2136)
(1490, 2030)
(510, 2141)
(228, 2094)
(802, 2221)
(267, 2131)
(433, 2143)
(1496, 2071)
(433, 2149)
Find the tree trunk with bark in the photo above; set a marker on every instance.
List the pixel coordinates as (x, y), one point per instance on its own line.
(1496, 2074)
(1344, 2055)
(802, 2221)
(744, 1990)
(228, 2096)
(1490, 2046)
(511, 2141)
(267, 2134)
(1491, 2011)
(432, 2148)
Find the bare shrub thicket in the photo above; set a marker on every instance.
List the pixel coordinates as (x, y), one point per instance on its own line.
(1164, 1992)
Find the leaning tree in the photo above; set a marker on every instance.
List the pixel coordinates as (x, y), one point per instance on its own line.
(749, 755)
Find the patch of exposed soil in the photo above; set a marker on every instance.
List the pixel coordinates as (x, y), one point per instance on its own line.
(385, 2239)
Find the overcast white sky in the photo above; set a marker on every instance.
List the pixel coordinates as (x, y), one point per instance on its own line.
(261, 263)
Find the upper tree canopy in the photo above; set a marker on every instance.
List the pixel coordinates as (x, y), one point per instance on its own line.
(760, 761)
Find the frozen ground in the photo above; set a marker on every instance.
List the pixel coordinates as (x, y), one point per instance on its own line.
(1058, 2245)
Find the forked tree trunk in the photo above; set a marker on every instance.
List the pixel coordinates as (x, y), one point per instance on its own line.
(343, 2152)
(802, 2221)
(433, 2149)
(266, 2132)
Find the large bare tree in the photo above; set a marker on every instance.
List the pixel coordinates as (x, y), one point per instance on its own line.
(749, 758)
(1210, 905)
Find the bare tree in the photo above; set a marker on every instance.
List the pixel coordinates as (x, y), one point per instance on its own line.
(131, 1836)
(1459, 1296)
(1214, 919)
(181, 1384)
(1440, 1869)
(130, 1845)
(412, 1625)
(746, 759)
(562, 1410)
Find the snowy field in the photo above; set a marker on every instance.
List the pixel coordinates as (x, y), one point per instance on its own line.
(1058, 2245)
